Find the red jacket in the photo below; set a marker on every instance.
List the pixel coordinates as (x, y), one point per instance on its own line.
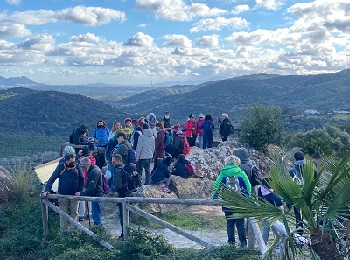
(199, 131)
(190, 128)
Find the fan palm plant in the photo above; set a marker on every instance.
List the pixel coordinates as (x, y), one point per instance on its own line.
(323, 200)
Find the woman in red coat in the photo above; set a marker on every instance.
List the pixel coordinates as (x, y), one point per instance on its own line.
(191, 130)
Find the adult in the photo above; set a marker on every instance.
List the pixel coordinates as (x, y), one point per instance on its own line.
(191, 130)
(115, 126)
(93, 188)
(101, 135)
(118, 186)
(160, 143)
(71, 182)
(199, 130)
(232, 175)
(123, 148)
(152, 121)
(162, 173)
(166, 121)
(246, 164)
(134, 137)
(128, 129)
(225, 127)
(177, 147)
(144, 153)
(180, 167)
(80, 135)
(67, 150)
(208, 135)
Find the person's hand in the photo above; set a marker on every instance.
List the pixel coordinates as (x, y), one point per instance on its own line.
(44, 194)
(77, 193)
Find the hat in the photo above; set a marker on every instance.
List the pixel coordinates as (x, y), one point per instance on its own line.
(121, 134)
(85, 151)
(299, 156)
(127, 119)
(200, 115)
(68, 150)
(84, 127)
(180, 133)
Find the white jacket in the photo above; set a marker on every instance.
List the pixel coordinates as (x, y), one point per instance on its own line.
(145, 145)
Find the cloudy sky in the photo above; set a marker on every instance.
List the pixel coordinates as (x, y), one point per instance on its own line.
(144, 41)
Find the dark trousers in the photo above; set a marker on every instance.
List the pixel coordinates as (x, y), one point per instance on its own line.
(231, 229)
(120, 205)
(299, 221)
(224, 138)
(144, 164)
(207, 141)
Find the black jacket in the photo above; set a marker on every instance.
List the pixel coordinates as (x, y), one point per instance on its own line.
(71, 180)
(160, 173)
(225, 127)
(94, 182)
(77, 136)
(118, 181)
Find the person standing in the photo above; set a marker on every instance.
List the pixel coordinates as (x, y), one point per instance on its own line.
(93, 188)
(191, 130)
(101, 135)
(71, 182)
(235, 178)
(199, 130)
(123, 148)
(144, 153)
(208, 135)
(225, 127)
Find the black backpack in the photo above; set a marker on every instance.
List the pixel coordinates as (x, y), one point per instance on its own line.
(255, 174)
(71, 137)
(130, 178)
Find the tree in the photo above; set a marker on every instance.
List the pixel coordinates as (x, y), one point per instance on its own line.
(323, 200)
(262, 126)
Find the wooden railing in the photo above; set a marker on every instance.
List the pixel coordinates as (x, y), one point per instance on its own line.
(254, 233)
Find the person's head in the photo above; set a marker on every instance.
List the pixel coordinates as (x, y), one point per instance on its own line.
(70, 159)
(201, 117)
(208, 117)
(166, 160)
(85, 163)
(121, 137)
(180, 133)
(116, 159)
(167, 115)
(191, 116)
(127, 122)
(101, 124)
(117, 125)
(242, 153)
(85, 151)
(160, 125)
(84, 128)
(145, 126)
(299, 156)
(232, 159)
(135, 123)
(67, 150)
(181, 158)
(224, 116)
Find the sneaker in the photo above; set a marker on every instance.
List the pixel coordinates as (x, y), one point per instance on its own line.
(165, 189)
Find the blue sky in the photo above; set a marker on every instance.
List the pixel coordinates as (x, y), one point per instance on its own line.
(139, 41)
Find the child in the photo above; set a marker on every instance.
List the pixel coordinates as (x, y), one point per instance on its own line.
(162, 173)
(180, 167)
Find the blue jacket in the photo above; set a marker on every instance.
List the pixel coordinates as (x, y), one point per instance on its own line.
(207, 127)
(101, 134)
(160, 173)
(180, 169)
(71, 180)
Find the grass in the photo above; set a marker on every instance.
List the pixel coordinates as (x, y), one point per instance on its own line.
(187, 220)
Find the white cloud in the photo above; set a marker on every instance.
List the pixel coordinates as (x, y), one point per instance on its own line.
(77, 14)
(216, 24)
(13, 2)
(89, 37)
(177, 10)
(42, 44)
(268, 4)
(240, 9)
(177, 40)
(209, 41)
(140, 39)
(13, 31)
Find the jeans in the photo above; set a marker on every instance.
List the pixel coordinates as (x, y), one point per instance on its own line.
(144, 164)
(265, 232)
(111, 168)
(96, 213)
(231, 228)
(200, 141)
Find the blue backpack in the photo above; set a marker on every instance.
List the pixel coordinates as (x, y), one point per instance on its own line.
(167, 140)
(131, 156)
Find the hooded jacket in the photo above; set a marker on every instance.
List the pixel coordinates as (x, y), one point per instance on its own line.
(123, 150)
(94, 182)
(232, 170)
(145, 145)
(246, 164)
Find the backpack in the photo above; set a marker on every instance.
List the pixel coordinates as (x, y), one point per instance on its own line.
(231, 130)
(130, 179)
(187, 147)
(167, 139)
(105, 186)
(131, 156)
(69, 168)
(255, 176)
(297, 177)
(189, 168)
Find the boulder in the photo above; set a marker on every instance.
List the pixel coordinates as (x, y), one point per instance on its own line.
(191, 188)
(6, 185)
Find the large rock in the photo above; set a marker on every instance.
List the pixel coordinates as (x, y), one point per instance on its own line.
(6, 185)
(191, 188)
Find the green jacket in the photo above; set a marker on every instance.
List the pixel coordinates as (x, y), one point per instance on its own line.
(231, 170)
(123, 150)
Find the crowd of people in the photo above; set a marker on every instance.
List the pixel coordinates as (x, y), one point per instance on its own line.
(129, 148)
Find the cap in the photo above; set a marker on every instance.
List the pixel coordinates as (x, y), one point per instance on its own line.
(180, 133)
(200, 115)
(121, 134)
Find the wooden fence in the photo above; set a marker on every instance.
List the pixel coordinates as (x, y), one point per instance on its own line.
(254, 234)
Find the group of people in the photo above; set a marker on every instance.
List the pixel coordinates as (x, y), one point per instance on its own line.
(237, 174)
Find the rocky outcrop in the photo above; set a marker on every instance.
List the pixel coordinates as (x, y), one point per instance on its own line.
(6, 185)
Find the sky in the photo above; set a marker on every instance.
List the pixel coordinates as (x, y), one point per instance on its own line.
(152, 41)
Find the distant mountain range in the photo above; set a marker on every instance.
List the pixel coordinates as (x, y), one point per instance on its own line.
(18, 82)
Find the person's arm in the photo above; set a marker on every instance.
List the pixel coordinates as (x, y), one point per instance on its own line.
(246, 181)
(117, 180)
(94, 178)
(217, 184)
(55, 174)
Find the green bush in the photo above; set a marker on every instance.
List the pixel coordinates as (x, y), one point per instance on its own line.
(261, 126)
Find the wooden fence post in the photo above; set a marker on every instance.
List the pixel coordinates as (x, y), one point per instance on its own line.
(45, 218)
(126, 219)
